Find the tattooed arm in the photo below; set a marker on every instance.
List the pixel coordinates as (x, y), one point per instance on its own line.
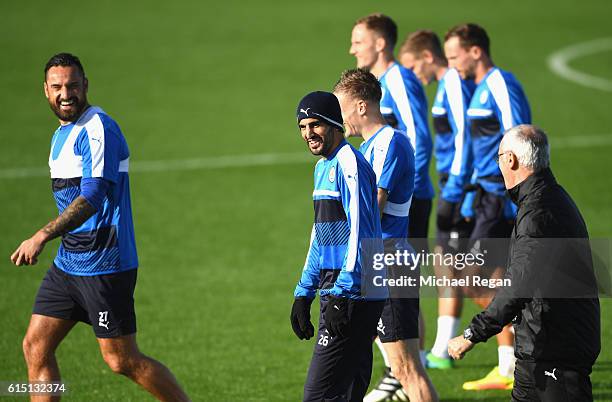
(73, 216)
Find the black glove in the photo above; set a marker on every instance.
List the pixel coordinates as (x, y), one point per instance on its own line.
(336, 316)
(445, 215)
(300, 318)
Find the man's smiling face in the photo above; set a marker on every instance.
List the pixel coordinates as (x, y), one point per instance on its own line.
(318, 135)
(66, 91)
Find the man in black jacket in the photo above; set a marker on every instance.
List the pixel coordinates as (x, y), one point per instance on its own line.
(552, 301)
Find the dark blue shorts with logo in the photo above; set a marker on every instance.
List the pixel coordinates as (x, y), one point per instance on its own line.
(490, 227)
(106, 302)
(341, 367)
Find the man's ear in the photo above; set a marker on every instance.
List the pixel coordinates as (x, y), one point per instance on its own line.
(427, 56)
(513, 161)
(380, 44)
(85, 84)
(476, 52)
(362, 107)
(46, 88)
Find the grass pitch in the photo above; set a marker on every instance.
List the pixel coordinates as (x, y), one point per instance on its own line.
(221, 249)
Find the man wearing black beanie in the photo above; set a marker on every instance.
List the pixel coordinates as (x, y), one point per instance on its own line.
(346, 219)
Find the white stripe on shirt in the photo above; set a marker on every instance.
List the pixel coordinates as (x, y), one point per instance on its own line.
(403, 209)
(397, 89)
(124, 165)
(454, 95)
(379, 147)
(475, 112)
(67, 164)
(438, 110)
(95, 135)
(329, 193)
(312, 239)
(497, 85)
(348, 164)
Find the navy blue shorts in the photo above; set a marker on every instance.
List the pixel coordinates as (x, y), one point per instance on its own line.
(453, 231)
(490, 223)
(418, 218)
(400, 315)
(399, 320)
(341, 367)
(489, 219)
(106, 302)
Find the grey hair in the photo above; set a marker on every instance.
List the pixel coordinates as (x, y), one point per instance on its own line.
(530, 145)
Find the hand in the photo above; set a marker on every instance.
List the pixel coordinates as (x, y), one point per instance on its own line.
(336, 316)
(459, 346)
(28, 251)
(300, 318)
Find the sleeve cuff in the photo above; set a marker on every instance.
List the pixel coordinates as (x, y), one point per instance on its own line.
(303, 292)
(94, 191)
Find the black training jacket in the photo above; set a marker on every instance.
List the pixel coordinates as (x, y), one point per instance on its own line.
(552, 302)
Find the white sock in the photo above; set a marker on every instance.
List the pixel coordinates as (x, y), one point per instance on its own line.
(447, 328)
(506, 360)
(383, 352)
